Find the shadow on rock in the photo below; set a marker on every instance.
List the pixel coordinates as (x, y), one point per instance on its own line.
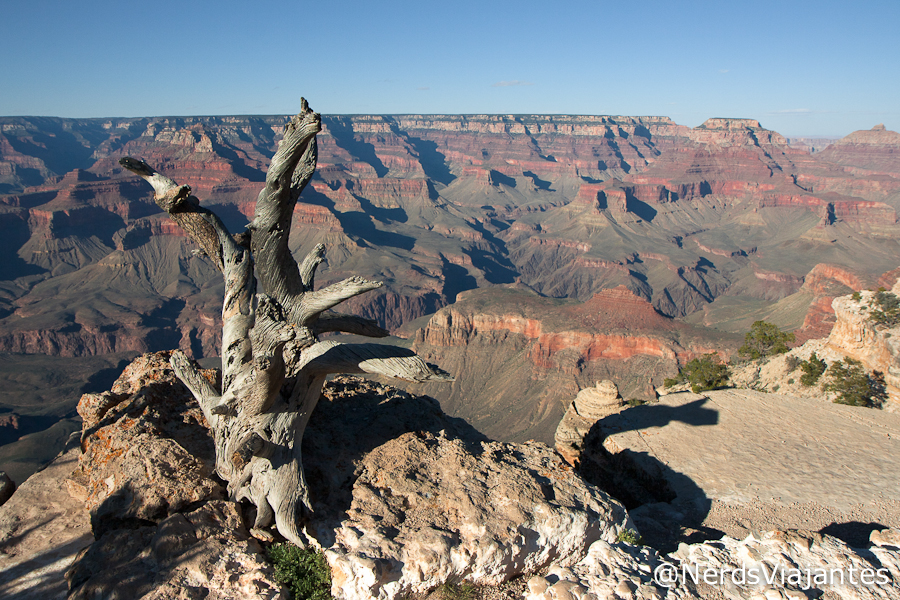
(354, 416)
(667, 506)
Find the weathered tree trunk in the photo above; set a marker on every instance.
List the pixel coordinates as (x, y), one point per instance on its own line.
(273, 364)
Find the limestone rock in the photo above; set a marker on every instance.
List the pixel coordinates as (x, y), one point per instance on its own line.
(621, 570)
(607, 571)
(147, 452)
(206, 553)
(589, 406)
(407, 498)
(428, 509)
(878, 348)
(806, 552)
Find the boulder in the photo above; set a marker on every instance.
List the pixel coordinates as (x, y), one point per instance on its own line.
(147, 451)
(205, 553)
(428, 509)
(589, 406)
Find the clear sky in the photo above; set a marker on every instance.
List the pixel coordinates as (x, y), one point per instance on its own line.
(801, 67)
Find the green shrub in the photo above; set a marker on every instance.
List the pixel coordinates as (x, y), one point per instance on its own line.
(630, 536)
(812, 370)
(849, 380)
(856, 296)
(305, 572)
(886, 310)
(765, 339)
(458, 591)
(704, 373)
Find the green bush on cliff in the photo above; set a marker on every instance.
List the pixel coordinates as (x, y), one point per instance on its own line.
(812, 370)
(886, 310)
(765, 339)
(849, 380)
(704, 373)
(304, 572)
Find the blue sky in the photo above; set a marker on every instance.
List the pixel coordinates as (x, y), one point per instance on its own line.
(800, 67)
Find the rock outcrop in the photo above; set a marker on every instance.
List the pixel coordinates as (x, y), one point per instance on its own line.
(428, 510)
(791, 565)
(877, 347)
(590, 405)
(405, 498)
(145, 477)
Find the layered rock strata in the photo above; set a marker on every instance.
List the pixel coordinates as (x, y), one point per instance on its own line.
(590, 405)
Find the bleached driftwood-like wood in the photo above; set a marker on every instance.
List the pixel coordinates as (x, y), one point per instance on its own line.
(273, 363)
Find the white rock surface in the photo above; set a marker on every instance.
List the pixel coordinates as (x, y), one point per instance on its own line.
(775, 565)
(428, 509)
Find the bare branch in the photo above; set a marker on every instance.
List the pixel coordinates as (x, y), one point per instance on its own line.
(314, 303)
(290, 170)
(181, 206)
(331, 321)
(205, 393)
(308, 266)
(377, 359)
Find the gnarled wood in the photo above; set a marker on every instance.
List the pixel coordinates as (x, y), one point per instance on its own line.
(273, 364)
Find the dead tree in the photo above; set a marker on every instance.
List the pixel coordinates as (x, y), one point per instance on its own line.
(273, 362)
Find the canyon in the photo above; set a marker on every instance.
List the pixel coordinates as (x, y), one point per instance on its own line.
(557, 249)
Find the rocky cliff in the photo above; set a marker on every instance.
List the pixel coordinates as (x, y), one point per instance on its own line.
(405, 498)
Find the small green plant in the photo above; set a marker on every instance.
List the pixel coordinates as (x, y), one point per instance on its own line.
(886, 310)
(704, 373)
(636, 402)
(305, 572)
(630, 536)
(458, 591)
(812, 370)
(856, 296)
(765, 339)
(791, 381)
(849, 380)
